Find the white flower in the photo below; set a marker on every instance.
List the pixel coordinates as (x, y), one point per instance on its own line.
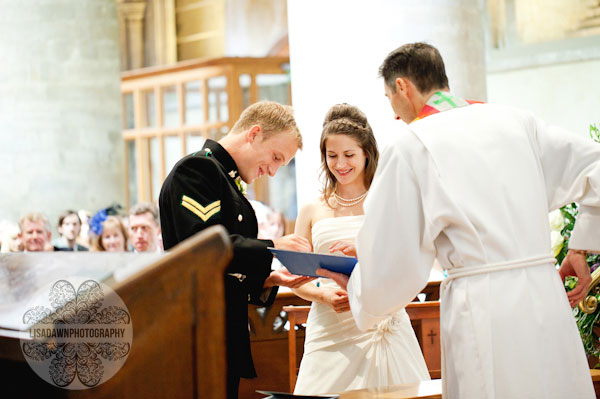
(557, 221)
(556, 241)
(241, 185)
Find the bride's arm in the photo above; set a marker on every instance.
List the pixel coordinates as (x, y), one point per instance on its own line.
(336, 298)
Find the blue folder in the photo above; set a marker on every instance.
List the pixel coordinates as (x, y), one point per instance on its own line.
(306, 263)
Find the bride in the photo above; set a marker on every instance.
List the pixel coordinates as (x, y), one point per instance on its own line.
(337, 355)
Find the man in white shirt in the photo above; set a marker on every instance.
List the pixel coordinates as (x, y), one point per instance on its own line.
(35, 233)
(471, 185)
(144, 228)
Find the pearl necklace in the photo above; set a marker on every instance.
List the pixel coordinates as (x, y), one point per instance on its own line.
(348, 202)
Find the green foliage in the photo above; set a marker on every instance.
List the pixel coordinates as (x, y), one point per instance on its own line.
(595, 133)
(570, 282)
(585, 322)
(569, 212)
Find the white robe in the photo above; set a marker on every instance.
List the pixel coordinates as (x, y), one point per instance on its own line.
(473, 186)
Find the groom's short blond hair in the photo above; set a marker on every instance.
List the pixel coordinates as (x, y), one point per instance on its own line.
(272, 117)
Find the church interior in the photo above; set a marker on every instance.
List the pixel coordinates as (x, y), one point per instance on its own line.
(100, 99)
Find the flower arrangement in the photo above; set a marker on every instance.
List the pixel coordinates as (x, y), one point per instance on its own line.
(562, 222)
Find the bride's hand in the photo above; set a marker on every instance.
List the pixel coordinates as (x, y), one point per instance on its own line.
(336, 298)
(345, 247)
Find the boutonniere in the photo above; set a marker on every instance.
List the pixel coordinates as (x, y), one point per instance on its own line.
(241, 185)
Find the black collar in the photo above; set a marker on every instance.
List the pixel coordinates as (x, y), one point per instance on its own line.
(212, 148)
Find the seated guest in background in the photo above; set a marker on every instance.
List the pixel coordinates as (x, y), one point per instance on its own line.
(111, 237)
(9, 235)
(69, 226)
(84, 233)
(144, 227)
(35, 233)
(271, 223)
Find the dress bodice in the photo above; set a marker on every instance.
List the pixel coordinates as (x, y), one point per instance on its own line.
(327, 231)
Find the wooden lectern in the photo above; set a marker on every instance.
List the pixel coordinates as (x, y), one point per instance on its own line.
(177, 308)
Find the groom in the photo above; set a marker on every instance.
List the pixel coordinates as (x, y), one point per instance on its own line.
(475, 183)
(204, 189)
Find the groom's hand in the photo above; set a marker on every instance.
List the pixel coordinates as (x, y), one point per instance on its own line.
(340, 278)
(292, 242)
(284, 278)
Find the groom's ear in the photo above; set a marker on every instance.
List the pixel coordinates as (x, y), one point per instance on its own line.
(253, 133)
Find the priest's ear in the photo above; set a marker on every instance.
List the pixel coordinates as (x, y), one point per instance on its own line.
(402, 84)
(407, 88)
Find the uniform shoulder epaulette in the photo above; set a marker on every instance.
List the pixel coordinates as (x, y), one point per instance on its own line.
(207, 152)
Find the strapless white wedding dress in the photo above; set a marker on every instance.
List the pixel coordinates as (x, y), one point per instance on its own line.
(337, 355)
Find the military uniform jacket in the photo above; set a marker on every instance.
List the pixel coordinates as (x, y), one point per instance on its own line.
(201, 191)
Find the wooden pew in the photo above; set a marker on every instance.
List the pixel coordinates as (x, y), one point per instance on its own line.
(297, 316)
(269, 341)
(425, 320)
(177, 307)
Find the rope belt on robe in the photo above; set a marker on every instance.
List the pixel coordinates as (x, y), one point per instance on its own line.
(462, 272)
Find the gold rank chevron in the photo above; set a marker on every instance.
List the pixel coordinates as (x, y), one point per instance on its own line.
(203, 212)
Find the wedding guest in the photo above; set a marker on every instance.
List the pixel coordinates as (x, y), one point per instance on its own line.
(9, 235)
(69, 227)
(144, 227)
(271, 223)
(112, 237)
(35, 233)
(84, 238)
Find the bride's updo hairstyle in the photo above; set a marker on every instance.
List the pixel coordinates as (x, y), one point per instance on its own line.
(348, 120)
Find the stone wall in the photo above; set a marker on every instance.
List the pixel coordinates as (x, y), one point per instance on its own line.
(563, 94)
(60, 107)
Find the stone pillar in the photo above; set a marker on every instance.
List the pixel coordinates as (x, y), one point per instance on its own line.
(131, 15)
(336, 48)
(60, 107)
(165, 32)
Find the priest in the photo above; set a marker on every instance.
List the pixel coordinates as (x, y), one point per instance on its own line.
(471, 184)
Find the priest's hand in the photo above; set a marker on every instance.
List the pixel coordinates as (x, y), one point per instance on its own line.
(292, 242)
(284, 278)
(345, 247)
(340, 278)
(575, 264)
(336, 298)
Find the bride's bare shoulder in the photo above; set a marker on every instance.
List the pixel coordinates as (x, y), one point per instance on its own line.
(315, 209)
